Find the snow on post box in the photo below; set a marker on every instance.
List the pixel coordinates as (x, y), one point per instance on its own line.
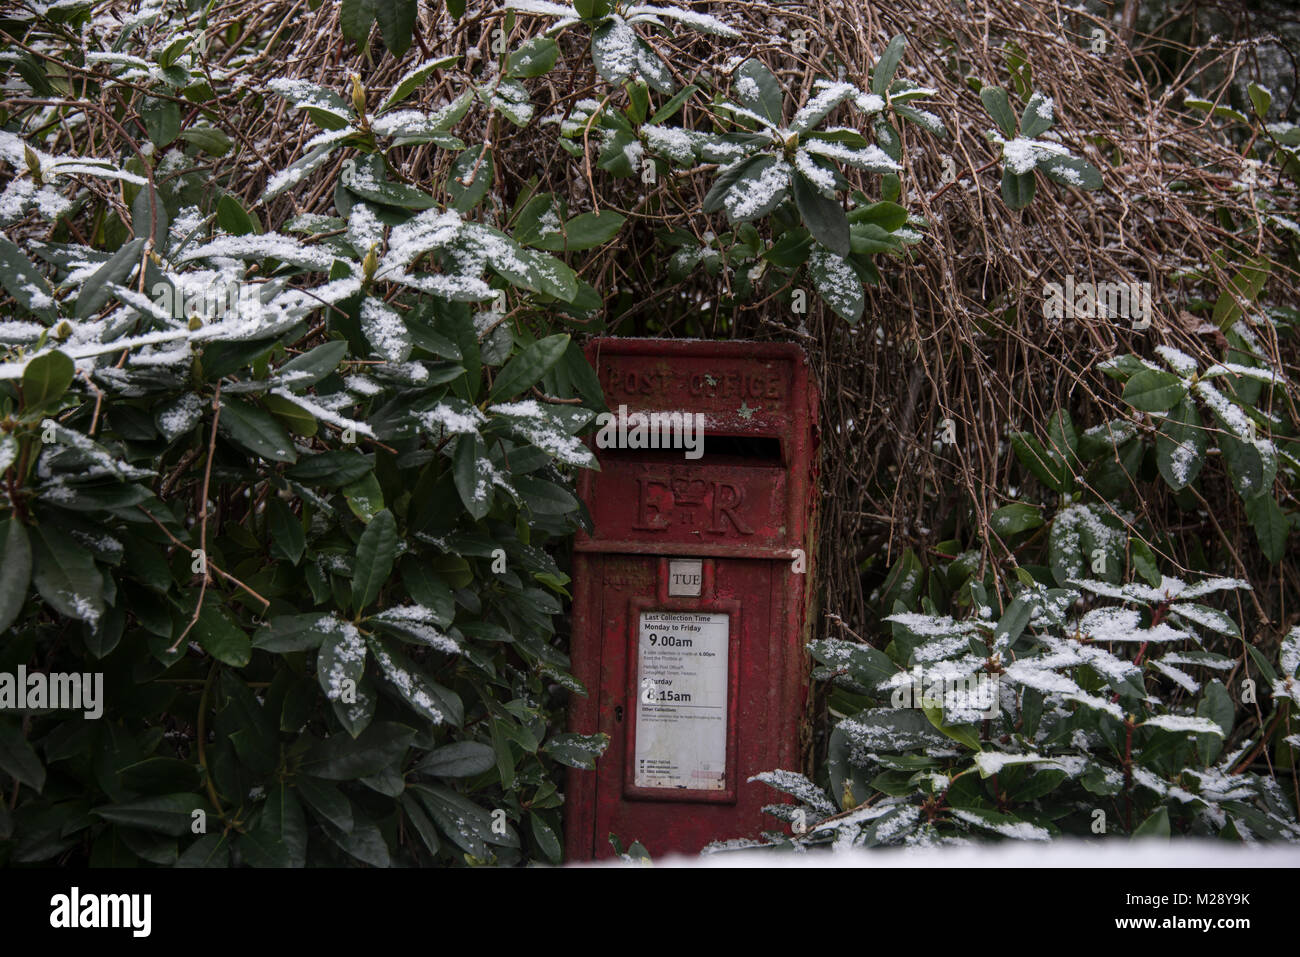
(690, 592)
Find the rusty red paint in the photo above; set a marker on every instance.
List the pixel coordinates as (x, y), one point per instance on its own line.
(744, 517)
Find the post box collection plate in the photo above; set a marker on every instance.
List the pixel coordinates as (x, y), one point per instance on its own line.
(681, 715)
(690, 598)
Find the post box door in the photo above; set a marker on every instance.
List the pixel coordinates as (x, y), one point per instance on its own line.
(690, 560)
(660, 747)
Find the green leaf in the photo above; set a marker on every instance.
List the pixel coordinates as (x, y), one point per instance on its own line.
(995, 101)
(233, 218)
(577, 750)
(1037, 117)
(837, 283)
(1017, 188)
(295, 171)
(17, 759)
(1180, 445)
(728, 177)
(364, 497)
(1015, 518)
(545, 498)
(961, 733)
(1063, 439)
(365, 843)
(396, 23)
(46, 378)
(510, 99)
(424, 337)
(171, 53)
(326, 802)
(162, 121)
(546, 838)
(66, 575)
(1069, 171)
(883, 73)
(284, 531)
(675, 103)
(1001, 823)
(411, 81)
(297, 419)
(385, 330)
(471, 471)
(585, 231)
(313, 365)
(533, 58)
(824, 217)
(24, 282)
(428, 589)
(1260, 99)
(255, 430)
(462, 759)
(430, 700)
(1271, 526)
(164, 814)
(1155, 826)
(791, 249)
(340, 671)
(527, 368)
(1251, 469)
(368, 178)
(330, 469)
(210, 850)
(96, 291)
(888, 216)
(1105, 439)
(207, 138)
(870, 238)
(1122, 368)
(1154, 391)
(1215, 704)
(1242, 290)
(220, 636)
(528, 219)
(922, 118)
(1144, 561)
(356, 18)
(1013, 621)
(15, 570)
(759, 91)
(420, 821)
(148, 213)
(375, 553)
(467, 824)
(469, 179)
(539, 272)
(343, 758)
(287, 633)
(749, 197)
(867, 666)
(279, 839)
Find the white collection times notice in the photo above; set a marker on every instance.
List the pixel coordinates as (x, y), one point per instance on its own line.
(681, 718)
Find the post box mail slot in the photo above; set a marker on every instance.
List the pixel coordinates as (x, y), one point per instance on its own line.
(689, 601)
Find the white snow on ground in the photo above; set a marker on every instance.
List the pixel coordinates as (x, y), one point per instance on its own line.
(1115, 854)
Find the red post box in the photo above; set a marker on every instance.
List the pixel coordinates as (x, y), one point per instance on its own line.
(690, 592)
